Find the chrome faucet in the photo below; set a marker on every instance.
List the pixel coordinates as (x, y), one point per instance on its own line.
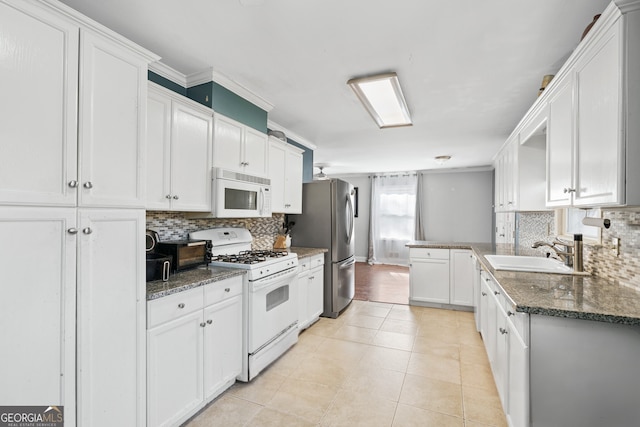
(572, 255)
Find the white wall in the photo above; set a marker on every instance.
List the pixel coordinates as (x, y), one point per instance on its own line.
(457, 206)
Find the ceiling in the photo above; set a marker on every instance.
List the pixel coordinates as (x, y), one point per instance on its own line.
(469, 69)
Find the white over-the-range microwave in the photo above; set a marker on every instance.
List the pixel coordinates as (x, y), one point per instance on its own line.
(237, 195)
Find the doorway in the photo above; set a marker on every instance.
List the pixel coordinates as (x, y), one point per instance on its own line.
(382, 283)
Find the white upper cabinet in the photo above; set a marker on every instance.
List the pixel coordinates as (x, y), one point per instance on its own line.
(88, 92)
(598, 168)
(179, 150)
(38, 136)
(593, 120)
(560, 144)
(112, 124)
(238, 147)
(285, 172)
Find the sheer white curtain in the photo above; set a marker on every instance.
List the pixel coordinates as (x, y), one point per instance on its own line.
(392, 217)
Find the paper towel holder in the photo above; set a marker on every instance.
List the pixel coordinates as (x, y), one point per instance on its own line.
(596, 222)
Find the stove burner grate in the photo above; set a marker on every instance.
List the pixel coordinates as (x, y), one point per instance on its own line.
(249, 257)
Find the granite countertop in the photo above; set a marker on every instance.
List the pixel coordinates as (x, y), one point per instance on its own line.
(189, 279)
(561, 295)
(307, 252)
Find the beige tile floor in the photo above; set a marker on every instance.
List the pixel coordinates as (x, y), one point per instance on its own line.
(376, 365)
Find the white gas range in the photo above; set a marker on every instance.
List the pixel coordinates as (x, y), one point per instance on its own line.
(270, 295)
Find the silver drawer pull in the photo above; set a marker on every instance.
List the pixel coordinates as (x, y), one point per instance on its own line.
(209, 321)
(227, 289)
(73, 183)
(88, 185)
(87, 230)
(203, 324)
(72, 231)
(181, 305)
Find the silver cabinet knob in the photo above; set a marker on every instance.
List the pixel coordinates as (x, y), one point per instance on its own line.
(181, 305)
(502, 330)
(484, 294)
(87, 230)
(87, 185)
(227, 289)
(496, 293)
(168, 196)
(73, 183)
(203, 324)
(510, 313)
(72, 231)
(209, 321)
(486, 279)
(175, 197)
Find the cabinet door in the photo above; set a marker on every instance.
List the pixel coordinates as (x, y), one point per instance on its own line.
(315, 300)
(490, 334)
(560, 145)
(111, 317)
(429, 280)
(277, 166)
(303, 298)
(113, 94)
(511, 172)
(222, 344)
(227, 143)
(191, 145)
(158, 151)
(175, 370)
(500, 362)
(462, 270)
(483, 301)
(37, 307)
(293, 183)
(517, 384)
(255, 152)
(38, 135)
(499, 183)
(599, 170)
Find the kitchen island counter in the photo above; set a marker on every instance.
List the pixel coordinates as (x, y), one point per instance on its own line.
(559, 295)
(189, 279)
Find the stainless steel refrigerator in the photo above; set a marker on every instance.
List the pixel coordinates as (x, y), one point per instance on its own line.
(327, 221)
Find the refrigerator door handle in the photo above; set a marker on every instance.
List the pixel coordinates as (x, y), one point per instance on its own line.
(351, 221)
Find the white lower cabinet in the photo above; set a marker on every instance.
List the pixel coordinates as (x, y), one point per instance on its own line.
(505, 334)
(441, 276)
(194, 341)
(310, 290)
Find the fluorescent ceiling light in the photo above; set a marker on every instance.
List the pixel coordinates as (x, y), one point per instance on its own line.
(382, 97)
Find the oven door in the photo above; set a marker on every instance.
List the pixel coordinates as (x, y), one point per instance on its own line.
(272, 307)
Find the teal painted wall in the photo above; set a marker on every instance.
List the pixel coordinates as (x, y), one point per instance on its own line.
(231, 105)
(166, 83)
(227, 103)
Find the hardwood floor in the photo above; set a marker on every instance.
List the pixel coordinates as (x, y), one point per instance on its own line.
(382, 283)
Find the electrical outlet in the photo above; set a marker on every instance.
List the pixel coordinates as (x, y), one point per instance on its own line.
(615, 246)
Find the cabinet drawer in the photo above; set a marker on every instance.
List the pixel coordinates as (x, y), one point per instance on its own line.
(304, 264)
(173, 306)
(317, 260)
(219, 291)
(429, 253)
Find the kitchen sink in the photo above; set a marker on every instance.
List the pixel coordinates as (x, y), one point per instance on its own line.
(528, 263)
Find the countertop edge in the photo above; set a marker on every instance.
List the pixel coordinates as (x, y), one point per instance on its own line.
(481, 249)
(184, 283)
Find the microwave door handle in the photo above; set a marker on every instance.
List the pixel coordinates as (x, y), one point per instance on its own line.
(165, 270)
(261, 201)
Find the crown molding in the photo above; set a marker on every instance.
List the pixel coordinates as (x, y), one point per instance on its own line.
(168, 73)
(291, 135)
(208, 75)
(88, 23)
(626, 6)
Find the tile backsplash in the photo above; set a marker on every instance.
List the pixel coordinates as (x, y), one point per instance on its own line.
(176, 226)
(599, 260)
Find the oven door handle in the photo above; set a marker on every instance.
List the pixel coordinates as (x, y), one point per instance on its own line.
(276, 279)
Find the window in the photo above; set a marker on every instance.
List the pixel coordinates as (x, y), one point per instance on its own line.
(569, 222)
